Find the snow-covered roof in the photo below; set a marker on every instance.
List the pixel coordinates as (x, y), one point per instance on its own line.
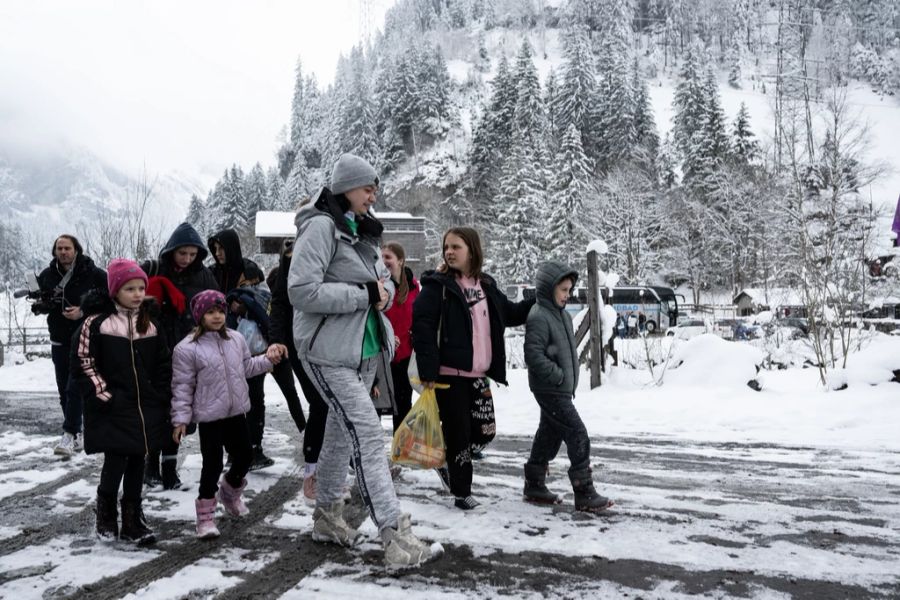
(275, 224)
(772, 297)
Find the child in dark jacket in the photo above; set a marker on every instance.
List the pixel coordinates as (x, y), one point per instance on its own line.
(552, 359)
(209, 387)
(123, 369)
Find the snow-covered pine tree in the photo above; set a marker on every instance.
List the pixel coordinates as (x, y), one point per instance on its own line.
(196, 214)
(275, 190)
(733, 60)
(552, 106)
(483, 58)
(666, 163)
(571, 202)
(646, 135)
(296, 186)
(690, 103)
(744, 146)
(255, 194)
(578, 90)
(490, 139)
(520, 223)
(530, 119)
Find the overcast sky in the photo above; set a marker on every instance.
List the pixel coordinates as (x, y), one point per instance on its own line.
(188, 85)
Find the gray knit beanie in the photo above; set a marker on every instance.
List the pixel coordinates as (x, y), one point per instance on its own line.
(351, 171)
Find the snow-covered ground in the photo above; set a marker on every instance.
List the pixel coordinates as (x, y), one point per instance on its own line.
(721, 491)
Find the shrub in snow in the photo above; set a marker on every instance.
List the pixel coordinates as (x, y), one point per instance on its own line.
(709, 360)
(875, 363)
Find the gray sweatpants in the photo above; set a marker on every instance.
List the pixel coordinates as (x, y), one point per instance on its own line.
(353, 433)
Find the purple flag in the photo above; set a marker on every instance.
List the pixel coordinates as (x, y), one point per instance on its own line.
(896, 226)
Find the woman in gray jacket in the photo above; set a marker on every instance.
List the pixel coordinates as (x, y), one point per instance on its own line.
(552, 360)
(340, 288)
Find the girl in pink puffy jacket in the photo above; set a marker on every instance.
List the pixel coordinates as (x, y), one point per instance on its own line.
(209, 387)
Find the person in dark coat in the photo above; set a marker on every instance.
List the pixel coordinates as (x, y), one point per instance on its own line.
(175, 277)
(458, 324)
(233, 272)
(281, 327)
(122, 366)
(70, 275)
(231, 269)
(551, 355)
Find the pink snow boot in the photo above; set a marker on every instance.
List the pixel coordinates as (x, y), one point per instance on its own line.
(230, 497)
(206, 518)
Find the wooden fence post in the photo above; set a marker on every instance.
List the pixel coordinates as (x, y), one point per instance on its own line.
(594, 341)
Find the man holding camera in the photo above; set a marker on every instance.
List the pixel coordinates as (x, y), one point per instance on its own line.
(70, 275)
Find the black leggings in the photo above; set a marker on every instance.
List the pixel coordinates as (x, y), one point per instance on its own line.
(232, 434)
(314, 434)
(285, 380)
(402, 390)
(256, 417)
(119, 467)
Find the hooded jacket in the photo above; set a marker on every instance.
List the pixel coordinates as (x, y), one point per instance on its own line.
(189, 281)
(209, 377)
(124, 378)
(237, 270)
(441, 305)
(332, 284)
(550, 351)
(86, 276)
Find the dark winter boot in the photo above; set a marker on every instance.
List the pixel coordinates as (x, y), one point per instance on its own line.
(152, 478)
(170, 480)
(134, 526)
(260, 460)
(586, 497)
(107, 517)
(535, 489)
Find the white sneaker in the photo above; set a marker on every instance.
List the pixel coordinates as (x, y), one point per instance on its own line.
(66, 445)
(79, 443)
(401, 547)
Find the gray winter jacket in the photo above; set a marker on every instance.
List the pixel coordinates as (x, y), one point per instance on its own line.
(209, 377)
(330, 286)
(550, 351)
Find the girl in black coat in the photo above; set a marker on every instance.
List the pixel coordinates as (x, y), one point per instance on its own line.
(465, 308)
(123, 369)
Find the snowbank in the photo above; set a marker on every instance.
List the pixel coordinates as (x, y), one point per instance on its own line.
(709, 359)
(28, 376)
(875, 363)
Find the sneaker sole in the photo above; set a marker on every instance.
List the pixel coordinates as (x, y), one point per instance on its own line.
(326, 539)
(62, 452)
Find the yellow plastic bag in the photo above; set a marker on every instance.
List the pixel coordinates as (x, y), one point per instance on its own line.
(419, 442)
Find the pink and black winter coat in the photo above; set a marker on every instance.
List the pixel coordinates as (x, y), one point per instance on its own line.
(124, 378)
(209, 377)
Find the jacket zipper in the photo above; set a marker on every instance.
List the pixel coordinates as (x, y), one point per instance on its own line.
(137, 385)
(227, 381)
(312, 340)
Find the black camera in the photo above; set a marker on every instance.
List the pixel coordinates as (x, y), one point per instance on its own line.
(42, 301)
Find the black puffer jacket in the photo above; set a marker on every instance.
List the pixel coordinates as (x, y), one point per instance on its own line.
(237, 271)
(190, 281)
(86, 276)
(550, 350)
(124, 377)
(281, 313)
(441, 301)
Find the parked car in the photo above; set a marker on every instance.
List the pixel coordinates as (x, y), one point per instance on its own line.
(795, 322)
(688, 328)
